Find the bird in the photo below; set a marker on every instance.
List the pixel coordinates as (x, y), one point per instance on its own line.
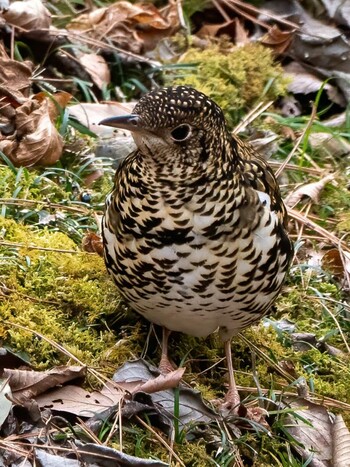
(195, 229)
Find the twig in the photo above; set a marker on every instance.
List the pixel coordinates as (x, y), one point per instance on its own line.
(99, 376)
(221, 10)
(255, 10)
(334, 319)
(5, 291)
(299, 140)
(236, 7)
(46, 204)
(34, 247)
(251, 116)
(298, 216)
(309, 170)
(161, 440)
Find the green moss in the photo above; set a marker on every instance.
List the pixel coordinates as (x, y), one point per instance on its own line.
(194, 454)
(28, 184)
(343, 225)
(335, 203)
(66, 297)
(235, 78)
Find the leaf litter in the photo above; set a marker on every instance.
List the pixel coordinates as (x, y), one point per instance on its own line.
(29, 137)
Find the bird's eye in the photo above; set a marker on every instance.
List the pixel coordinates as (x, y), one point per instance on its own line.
(181, 132)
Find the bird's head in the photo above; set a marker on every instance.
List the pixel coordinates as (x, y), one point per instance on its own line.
(177, 127)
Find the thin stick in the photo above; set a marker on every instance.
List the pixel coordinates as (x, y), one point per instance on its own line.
(299, 140)
(255, 10)
(34, 247)
(221, 11)
(161, 440)
(30, 202)
(252, 115)
(298, 216)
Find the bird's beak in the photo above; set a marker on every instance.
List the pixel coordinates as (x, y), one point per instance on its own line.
(125, 122)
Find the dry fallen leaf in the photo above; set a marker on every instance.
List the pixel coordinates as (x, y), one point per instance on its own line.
(78, 401)
(92, 243)
(36, 140)
(162, 382)
(301, 81)
(28, 14)
(341, 443)
(310, 190)
(232, 28)
(90, 115)
(56, 102)
(26, 384)
(15, 75)
(97, 68)
(311, 428)
(279, 41)
(134, 27)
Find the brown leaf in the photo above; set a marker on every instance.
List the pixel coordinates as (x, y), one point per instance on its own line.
(279, 41)
(232, 28)
(27, 384)
(28, 14)
(36, 142)
(162, 382)
(92, 243)
(315, 439)
(134, 27)
(78, 401)
(56, 102)
(310, 190)
(336, 263)
(341, 443)
(15, 75)
(97, 68)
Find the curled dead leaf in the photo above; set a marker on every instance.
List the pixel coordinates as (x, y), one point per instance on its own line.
(28, 14)
(232, 28)
(341, 443)
(162, 382)
(92, 243)
(279, 41)
(56, 102)
(15, 75)
(337, 263)
(134, 27)
(310, 190)
(97, 68)
(26, 384)
(36, 140)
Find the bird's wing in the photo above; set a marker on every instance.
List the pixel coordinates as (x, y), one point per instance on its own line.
(258, 174)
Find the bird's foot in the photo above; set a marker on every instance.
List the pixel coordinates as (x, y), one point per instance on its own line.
(232, 401)
(165, 366)
(232, 405)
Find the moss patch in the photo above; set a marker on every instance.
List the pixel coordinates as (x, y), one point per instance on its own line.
(66, 297)
(236, 78)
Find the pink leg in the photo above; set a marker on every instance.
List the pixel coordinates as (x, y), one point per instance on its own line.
(232, 399)
(165, 366)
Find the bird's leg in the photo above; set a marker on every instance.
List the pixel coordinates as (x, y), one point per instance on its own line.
(165, 366)
(232, 399)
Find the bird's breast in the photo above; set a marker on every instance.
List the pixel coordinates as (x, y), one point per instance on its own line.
(194, 266)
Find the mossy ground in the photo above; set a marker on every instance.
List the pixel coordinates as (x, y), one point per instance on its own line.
(69, 298)
(247, 74)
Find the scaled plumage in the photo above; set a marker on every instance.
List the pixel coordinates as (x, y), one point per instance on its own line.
(195, 228)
